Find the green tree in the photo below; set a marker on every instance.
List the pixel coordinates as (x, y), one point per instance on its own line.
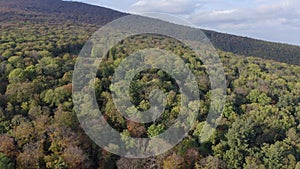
(17, 75)
(5, 163)
(155, 130)
(255, 96)
(16, 61)
(279, 155)
(7, 53)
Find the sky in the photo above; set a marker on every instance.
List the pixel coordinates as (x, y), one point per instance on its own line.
(272, 20)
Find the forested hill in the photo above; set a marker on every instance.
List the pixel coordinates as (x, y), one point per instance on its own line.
(58, 11)
(39, 45)
(253, 47)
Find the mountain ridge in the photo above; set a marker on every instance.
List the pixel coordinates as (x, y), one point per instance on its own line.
(62, 11)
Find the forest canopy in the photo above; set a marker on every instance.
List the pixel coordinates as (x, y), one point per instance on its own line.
(259, 127)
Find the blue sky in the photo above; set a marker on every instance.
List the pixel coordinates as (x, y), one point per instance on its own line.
(273, 20)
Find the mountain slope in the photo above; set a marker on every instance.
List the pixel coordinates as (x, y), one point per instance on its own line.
(259, 127)
(60, 11)
(57, 10)
(253, 47)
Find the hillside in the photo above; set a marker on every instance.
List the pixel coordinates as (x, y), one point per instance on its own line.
(57, 11)
(253, 47)
(39, 45)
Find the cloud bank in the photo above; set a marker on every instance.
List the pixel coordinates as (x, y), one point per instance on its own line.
(275, 20)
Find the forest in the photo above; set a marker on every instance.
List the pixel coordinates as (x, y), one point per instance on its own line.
(259, 128)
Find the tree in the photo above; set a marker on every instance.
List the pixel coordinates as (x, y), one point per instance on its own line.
(65, 118)
(55, 162)
(48, 66)
(7, 146)
(17, 75)
(173, 161)
(31, 157)
(279, 155)
(16, 61)
(255, 96)
(24, 133)
(127, 163)
(75, 158)
(252, 162)
(20, 92)
(57, 96)
(5, 162)
(7, 53)
(136, 129)
(210, 162)
(155, 130)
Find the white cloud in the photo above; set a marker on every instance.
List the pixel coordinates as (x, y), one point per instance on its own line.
(267, 19)
(277, 20)
(167, 6)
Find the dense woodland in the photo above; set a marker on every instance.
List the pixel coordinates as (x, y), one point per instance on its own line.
(39, 128)
(54, 11)
(253, 47)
